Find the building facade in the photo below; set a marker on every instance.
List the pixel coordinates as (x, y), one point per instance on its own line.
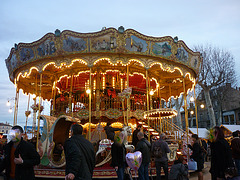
(5, 128)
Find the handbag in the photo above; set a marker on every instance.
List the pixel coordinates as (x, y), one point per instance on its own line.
(192, 165)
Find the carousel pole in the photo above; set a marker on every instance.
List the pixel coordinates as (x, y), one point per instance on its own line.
(186, 111)
(160, 106)
(16, 107)
(90, 104)
(98, 94)
(70, 96)
(128, 99)
(170, 92)
(54, 96)
(35, 110)
(39, 109)
(147, 92)
(196, 108)
(27, 113)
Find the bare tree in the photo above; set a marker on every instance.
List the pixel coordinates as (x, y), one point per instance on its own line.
(217, 69)
(177, 103)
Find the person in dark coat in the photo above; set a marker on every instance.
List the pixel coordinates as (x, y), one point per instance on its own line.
(178, 170)
(134, 136)
(144, 147)
(79, 154)
(221, 156)
(197, 155)
(118, 152)
(19, 157)
(235, 145)
(110, 131)
(161, 162)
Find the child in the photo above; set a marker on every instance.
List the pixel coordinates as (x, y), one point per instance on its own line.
(178, 170)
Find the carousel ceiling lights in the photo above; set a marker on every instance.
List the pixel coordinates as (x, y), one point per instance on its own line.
(160, 113)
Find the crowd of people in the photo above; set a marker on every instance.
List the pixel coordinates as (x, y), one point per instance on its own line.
(20, 157)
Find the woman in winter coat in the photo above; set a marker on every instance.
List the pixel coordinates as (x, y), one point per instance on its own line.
(221, 156)
(197, 155)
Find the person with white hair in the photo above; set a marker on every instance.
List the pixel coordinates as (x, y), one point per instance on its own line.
(144, 147)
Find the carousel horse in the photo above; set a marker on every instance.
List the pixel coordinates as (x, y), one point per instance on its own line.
(106, 144)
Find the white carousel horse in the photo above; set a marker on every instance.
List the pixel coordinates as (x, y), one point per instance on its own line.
(128, 132)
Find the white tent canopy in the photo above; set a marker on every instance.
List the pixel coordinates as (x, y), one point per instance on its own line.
(231, 128)
(202, 132)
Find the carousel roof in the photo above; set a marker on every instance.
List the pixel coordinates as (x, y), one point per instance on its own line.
(63, 55)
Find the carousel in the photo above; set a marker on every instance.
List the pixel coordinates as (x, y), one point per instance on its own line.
(114, 75)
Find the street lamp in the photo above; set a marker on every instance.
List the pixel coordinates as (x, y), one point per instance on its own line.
(202, 106)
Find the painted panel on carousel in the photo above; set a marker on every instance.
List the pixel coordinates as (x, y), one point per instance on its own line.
(83, 114)
(136, 44)
(46, 48)
(182, 55)
(113, 113)
(104, 43)
(162, 49)
(12, 64)
(195, 63)
(26, 54)
(72, 44)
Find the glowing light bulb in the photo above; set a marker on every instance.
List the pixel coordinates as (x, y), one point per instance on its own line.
(191, 99)
(202, 106)
(10, 110)
(88, 91)
(151, 92)
(8, 103)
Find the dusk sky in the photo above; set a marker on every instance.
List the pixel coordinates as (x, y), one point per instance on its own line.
(196, 22)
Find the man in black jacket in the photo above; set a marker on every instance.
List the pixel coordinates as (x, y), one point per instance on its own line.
(79, 154)
(144, 147)
(19, 157)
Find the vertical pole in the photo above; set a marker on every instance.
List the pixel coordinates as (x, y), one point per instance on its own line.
(27, 113)
(54, 96)
(196, 109)
(147, 93)
(160, 106)
(98, 94)
(90, 104)
(185, 108)
(128, 99)
(70, 96)
(15, 107)
(39, 107)
(170, 92)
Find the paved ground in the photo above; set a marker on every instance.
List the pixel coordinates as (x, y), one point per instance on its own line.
(192, 175)
(206, 174)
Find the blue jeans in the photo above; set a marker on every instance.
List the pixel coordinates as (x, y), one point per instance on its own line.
(120, 173)
(159, 166)
(237, 163)
(143, 172)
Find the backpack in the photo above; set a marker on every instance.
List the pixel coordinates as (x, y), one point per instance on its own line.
(157, 152)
